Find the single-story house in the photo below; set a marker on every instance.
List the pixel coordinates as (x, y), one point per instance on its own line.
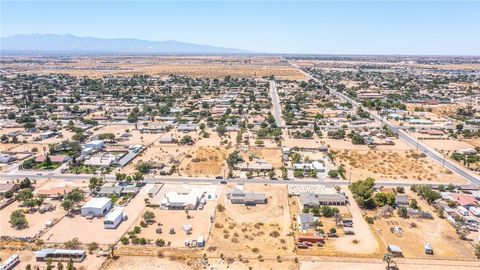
(238, 196)
(258, 165)
(6, 187)
(96, 145)
(106, 191)
(53, 193)
(306, 221)
(176, 201)
(6, 158)
(313, 166)
(464, 200)
(401, 200)
(308, 200)
(54, 158)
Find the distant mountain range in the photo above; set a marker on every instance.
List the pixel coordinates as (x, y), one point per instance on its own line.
(70, 43)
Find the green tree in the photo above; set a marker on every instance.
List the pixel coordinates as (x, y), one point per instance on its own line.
(148, 216)
(187, 139)
(384, 198)
(95, 183)
(363, 192)
(18, 220)
(70, 264)
(144, 167)
(333, 173)
(234, 158)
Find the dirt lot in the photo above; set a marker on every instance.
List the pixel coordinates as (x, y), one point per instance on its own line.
(194, 66)
(199, 219)
(416, 232)
(36, 220)
(441, 110)
(271, 155)
(28, 258)
(254, 230)
(136, 138)
(379, 265)
(394, 165)
(205, 162)
(62, 231)
(146, 263)
(163, 153)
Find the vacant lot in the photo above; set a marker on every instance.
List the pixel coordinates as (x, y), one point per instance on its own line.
(168, 154)
(394, 165)
(135, 138)
(253, 230)
(271, 155)
(416, 232)
(166, 219)
(194, 66)
(379, 265)
(36, 220)
(205, 162)
(146, 263)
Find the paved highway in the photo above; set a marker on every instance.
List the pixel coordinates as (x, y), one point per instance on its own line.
(277, 114)
(407, 138)
(194, 180)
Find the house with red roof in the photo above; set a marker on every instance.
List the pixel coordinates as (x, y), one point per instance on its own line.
(464, 200)
(54, 158)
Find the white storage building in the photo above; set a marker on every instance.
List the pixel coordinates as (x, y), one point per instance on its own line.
(97, 207)
(113, 218)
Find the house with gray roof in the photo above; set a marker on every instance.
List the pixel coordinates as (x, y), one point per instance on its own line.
(306, 221)
(238, 196)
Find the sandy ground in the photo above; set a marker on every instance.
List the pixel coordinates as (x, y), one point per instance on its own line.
(36, 220)
(28, 257)
(271, 155)
(159, 153)
(473, 142)
(437, 232)
(378, 265)
(447, 145)
(394, 166)
(137, 138)
(199, 219)
(367, 244)
(205, 162)
(62, 232)
(194, 66)
(249, 228)
(343, 245)
(146, 263)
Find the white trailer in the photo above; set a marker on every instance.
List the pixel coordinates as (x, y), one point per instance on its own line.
(114, 218)
(10, 263)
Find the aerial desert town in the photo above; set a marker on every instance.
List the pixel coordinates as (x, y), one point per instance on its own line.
(254, 162)
(239, 135)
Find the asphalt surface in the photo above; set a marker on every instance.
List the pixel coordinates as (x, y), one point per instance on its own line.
(277, 114)
(408, 139)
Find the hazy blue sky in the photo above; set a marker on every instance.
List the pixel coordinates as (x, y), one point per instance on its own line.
(355, 27)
